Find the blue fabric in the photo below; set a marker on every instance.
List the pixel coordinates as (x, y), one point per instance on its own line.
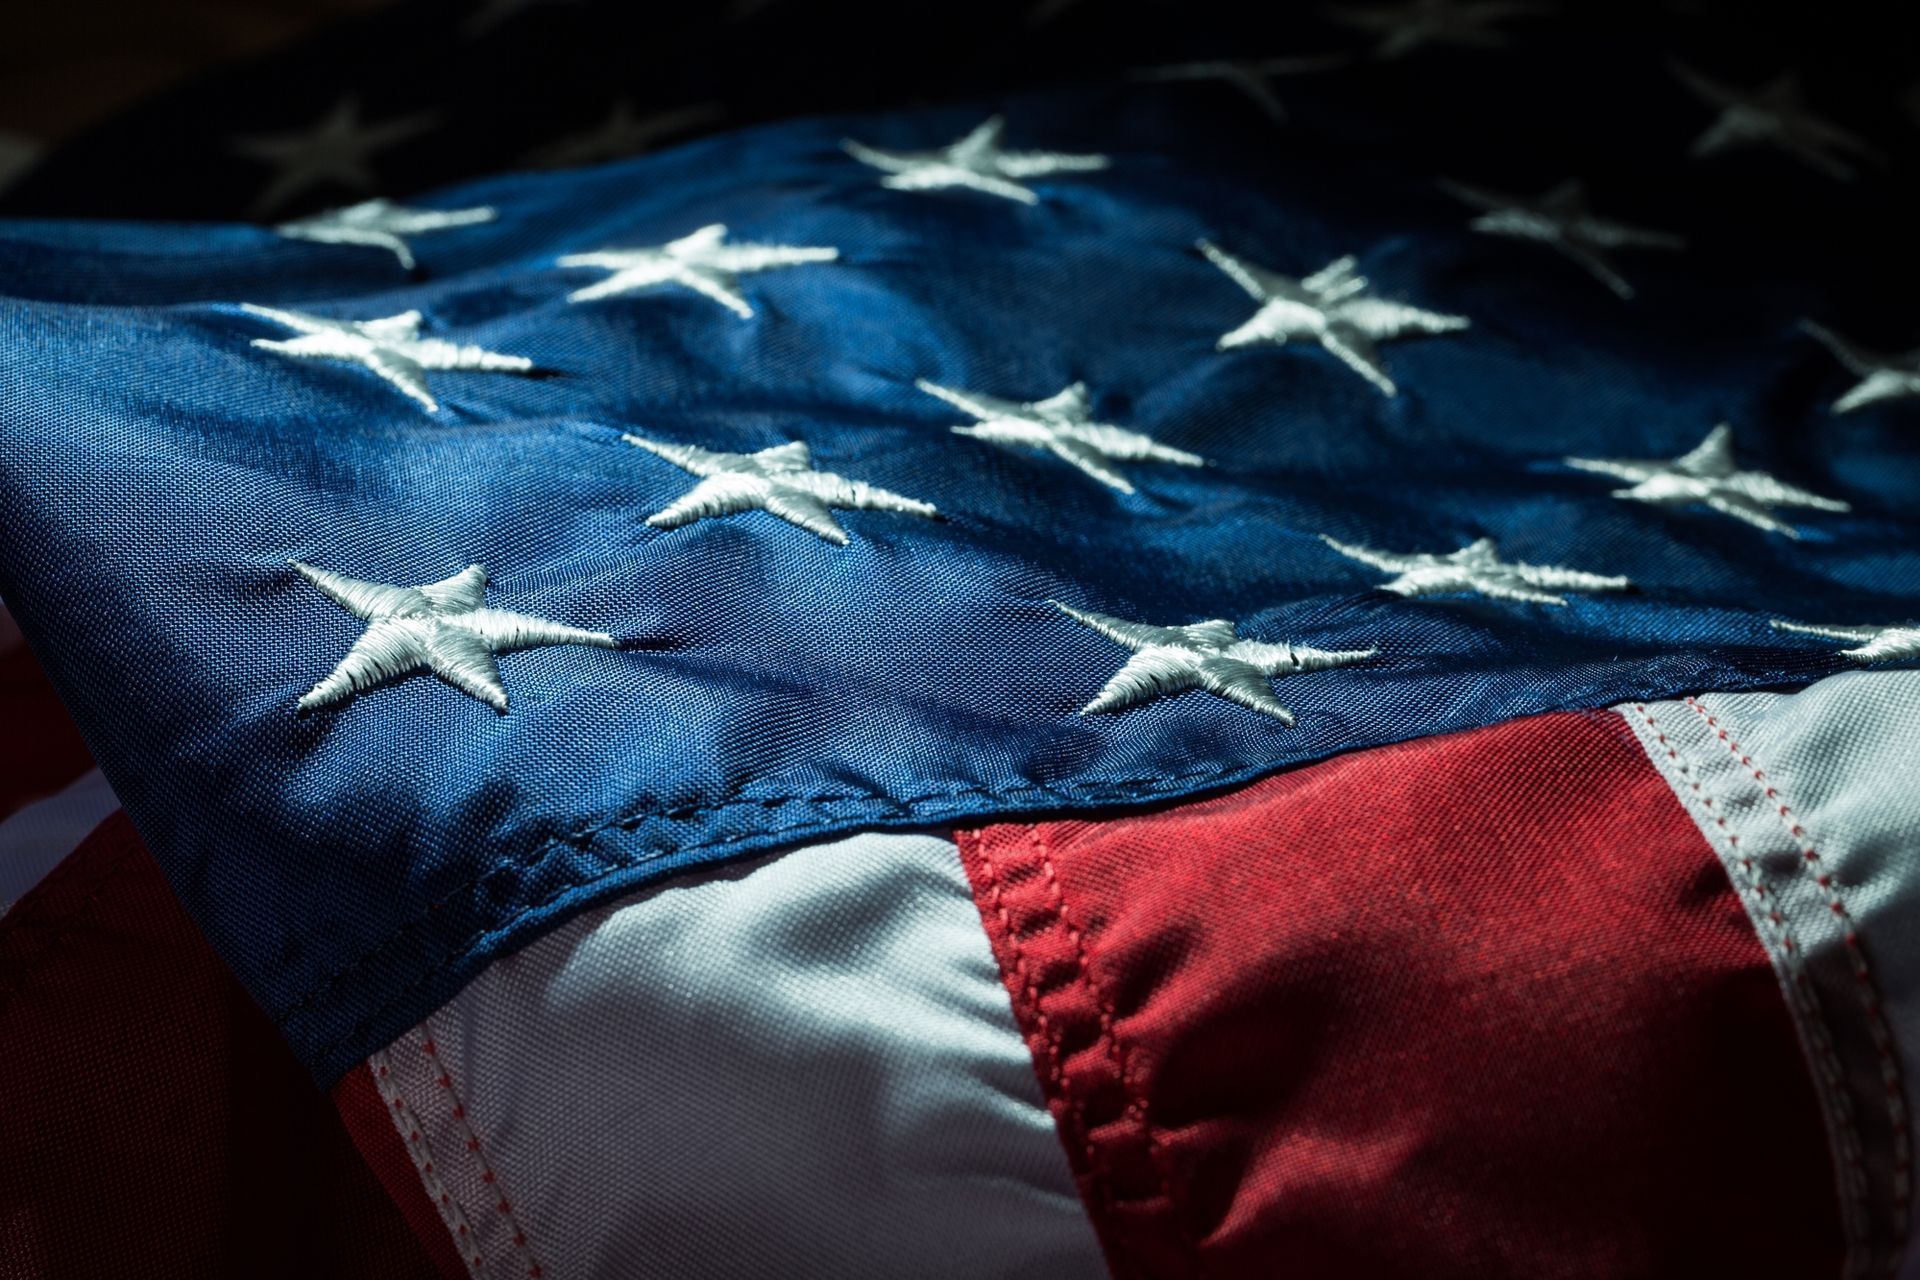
(355, 866)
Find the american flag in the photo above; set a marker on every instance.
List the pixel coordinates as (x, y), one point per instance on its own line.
(1079, 641)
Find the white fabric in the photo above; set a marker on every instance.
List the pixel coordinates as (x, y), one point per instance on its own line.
(804, 1065)
(34, 838)
(1790, 788)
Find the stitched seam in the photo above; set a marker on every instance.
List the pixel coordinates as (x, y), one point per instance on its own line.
(1828, 1075)
(463, 949)
(1868, 991)
(1126, 788)
(1019, 969)
(470, 1137)
(640, 812)
(413, 1134)
(1110, 1037)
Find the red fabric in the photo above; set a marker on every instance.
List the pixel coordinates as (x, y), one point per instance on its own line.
(1480, 1005)
(368, 1120)
(152, 1121)
(40, 750)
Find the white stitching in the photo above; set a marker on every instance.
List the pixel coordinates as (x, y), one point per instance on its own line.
(1814, 866)
(413, 1135)
(1829, 1075)
(470, 1139)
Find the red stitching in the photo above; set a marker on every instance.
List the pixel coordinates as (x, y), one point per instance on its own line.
(529, 1265)
(1868, 991)
(1830, 1076)
(1109, 1033)
(420, 1151)
(1056, 1071)
(1021, 893)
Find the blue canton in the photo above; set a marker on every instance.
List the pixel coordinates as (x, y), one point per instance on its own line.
(666, 657)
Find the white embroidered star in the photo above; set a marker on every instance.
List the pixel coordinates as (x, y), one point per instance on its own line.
(1896, 643)
(444, 627)
(1061, 424)
(382, 224)
(1773, 115)
(1560, 218)
(1328, 307)
(702, 261)
(622, 133)
(335, 149)
(975, 161)
(1476, 567)
(1251, 76)
(1201, 655)
(1706, 474)
(489, 14)
(390, 346)
(1882, 377)
(1410, 26)
(780, 481)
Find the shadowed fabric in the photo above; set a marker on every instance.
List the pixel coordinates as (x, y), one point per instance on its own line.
(38, 763)
(1812, 800)
(159, 1127)
(34, 839)
(1479, 1005)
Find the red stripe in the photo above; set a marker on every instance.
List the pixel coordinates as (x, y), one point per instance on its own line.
(152, 1121)
(1470, 1006)
(40, 750)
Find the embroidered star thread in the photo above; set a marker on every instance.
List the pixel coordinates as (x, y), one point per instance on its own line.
(701, 261)
(780, 481)
(1329, 307)
(382, 224)
(1891, 643)
(1560, 218)
(1882, 377)
(1062, 425)
(1206, 655)
(1706, 474)
(1252, 77)
(1773, 115)
(444, 627)
(390, 347)
(976, 162)
(336, 149)
(1410, 26)
(1477, 568)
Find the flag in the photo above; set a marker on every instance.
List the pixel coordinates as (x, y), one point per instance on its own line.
(1169, 670)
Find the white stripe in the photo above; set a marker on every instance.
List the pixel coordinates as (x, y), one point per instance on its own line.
(420, 1145)
(802, 1065)
(34, 838)
(1813, 801)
